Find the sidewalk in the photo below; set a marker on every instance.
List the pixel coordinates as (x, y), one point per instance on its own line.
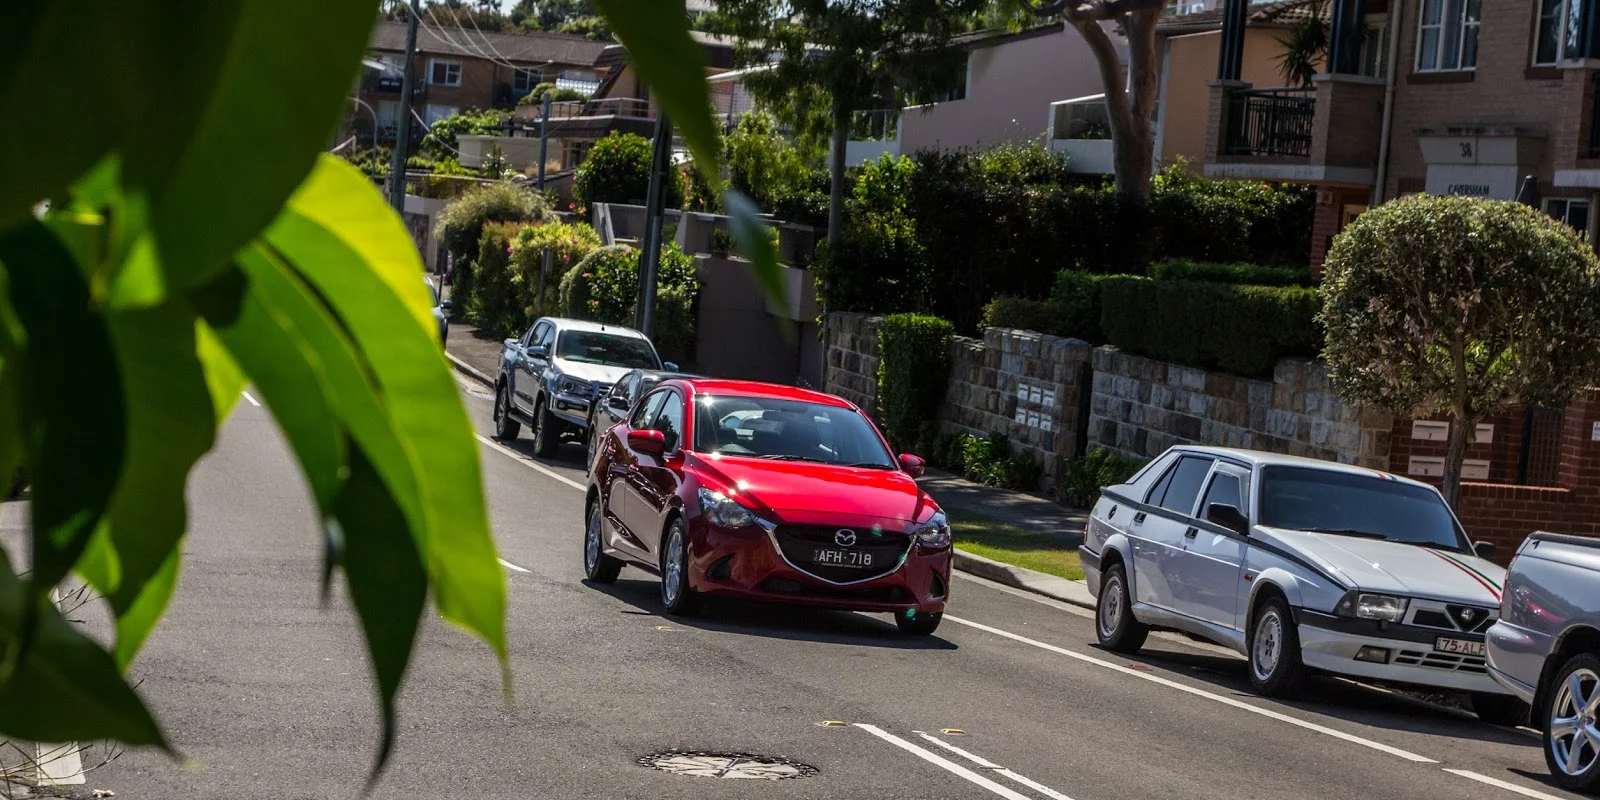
(466, 348)
(1029, 512)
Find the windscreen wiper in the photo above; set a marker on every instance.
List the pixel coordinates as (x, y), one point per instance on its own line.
(1347, 532)
(870, 465)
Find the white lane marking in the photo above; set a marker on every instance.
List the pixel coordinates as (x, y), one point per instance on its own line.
(942, 762)
(252, 399)
(509, 565)
(1496, 782)
(1228, 701)
(998, 770)
(534, 465)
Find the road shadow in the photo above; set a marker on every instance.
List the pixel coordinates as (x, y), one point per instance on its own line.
(772, 620)
(1541, 778)
(569, 455)
(1334, 698)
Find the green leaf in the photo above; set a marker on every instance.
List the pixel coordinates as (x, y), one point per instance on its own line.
(754, 242)
(149, 604)
(656, 35)
(387, 581)
(335, 225)
(64, 688)
(72, 404)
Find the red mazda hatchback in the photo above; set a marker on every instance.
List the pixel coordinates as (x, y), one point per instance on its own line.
(754, 490)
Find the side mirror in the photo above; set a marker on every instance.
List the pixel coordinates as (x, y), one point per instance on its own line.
(669, 366)
(1228, 517)
(651, 443)
(446, 304)
(510, 342)
(1484, 550)
(913, 465)
(537, 351)
(617, 402)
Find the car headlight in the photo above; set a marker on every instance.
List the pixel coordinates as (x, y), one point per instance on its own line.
(573, 386)
(935, 532)
(1367, 605)
(723, 510)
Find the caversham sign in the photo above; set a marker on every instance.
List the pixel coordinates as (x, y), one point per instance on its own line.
(1476, 180)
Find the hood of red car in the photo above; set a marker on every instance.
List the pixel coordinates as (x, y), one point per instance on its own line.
(800, 486)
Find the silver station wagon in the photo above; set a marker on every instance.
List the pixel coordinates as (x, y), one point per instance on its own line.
(1298, 565)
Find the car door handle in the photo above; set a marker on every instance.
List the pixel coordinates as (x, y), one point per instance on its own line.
(1139, 517)
(1191, 533)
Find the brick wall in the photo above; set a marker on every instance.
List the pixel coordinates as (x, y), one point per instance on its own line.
(1328, 219)
(1141, 406)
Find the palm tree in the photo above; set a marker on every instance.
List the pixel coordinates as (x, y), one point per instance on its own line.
(1305, 46)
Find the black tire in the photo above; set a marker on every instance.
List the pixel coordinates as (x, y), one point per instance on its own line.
(677, 596)
(1114, 625)
(1586, 777)
(597, 566)
(1275, 666)
(1499, 709)
(545, 439)
(914, 623)
(589, 445)
(505, 428)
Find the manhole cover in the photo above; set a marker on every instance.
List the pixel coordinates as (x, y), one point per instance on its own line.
(727, 765)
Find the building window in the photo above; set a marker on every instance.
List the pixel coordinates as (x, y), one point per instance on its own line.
(1560, 28)
(1375, 50)
(444, 73)
(525, 79)
(1573, 211)
(1447, 39)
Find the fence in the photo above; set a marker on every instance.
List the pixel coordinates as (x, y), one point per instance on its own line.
(1539, 457)
(1270, 122)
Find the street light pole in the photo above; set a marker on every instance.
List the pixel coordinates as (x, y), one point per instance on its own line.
(397, 166)
(363, 104)
(650, 259)
(544, 135)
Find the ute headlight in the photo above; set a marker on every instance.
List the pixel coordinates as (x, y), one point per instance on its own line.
(573, 386)
(935, 532)
(723, 510)
(1369, 605)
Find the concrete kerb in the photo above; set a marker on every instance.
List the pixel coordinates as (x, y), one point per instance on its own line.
(470, 371)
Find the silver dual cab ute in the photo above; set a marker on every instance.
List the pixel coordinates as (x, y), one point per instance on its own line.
(1298, 565)
(1546, 648)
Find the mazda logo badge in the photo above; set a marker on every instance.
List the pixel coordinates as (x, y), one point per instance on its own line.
(844, 537)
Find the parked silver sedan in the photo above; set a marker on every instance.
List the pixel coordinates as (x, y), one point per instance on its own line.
(441, 311)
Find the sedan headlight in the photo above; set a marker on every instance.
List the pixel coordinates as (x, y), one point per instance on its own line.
(1367, 605)
(723, 510)
(935, 532)
(567, 385)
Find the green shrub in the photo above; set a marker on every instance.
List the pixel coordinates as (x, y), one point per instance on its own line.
(1180, 269)
(989, 460)
(442, 142)
(1041, 316)
(618, 171)
(1076, 297)
(913, 373)
(569, 244)
(604, 287)
(722, 242)
(1085, 476)
(491, 293)
(1244, 330)
(761, 162)
(536, 96)
(461, 223)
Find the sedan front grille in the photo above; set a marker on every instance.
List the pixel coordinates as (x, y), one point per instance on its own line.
(842, 555)
(1446, 661)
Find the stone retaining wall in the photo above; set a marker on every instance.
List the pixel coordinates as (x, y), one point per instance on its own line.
(851, 369)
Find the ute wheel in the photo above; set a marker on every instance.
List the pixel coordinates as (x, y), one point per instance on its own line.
(1499, 709)
(545, 440)
(676, 594)
(505, 428)
(1114, 624)
(589, 447)
(1274, 649)
(597, 566)
(917, 623)
(1571, 726)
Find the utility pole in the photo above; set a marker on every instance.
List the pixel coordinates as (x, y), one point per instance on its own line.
(397, 167)
(544, 135)
(650, 260)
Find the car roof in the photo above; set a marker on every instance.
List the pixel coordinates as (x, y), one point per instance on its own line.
(567, 324)
(1261, 458)
(733, 388)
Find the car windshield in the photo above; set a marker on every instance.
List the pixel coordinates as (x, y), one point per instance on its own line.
(597, 347)
(433, 291)
(787, 430)
(1308, 499)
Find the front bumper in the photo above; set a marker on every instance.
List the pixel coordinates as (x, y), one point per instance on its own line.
(1330, 644)
(744, 563)
(572, 409)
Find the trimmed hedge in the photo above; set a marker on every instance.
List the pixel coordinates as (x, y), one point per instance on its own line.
(1244, 330)
(604, 287)
(1041, 316)
(1180, 269)
(1072, 310)
(913, 373)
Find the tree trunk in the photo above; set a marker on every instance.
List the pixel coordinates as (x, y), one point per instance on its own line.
(1461, 432)
(841, 136)
(1130, 95)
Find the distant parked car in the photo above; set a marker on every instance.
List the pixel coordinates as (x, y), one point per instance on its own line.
(550, 378)
(613, 406)
(1297, 564)
(1546, 649)
(441, 311)
(757, 491)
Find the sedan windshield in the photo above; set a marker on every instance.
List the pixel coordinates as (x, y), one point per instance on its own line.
(596, 347)
(787, 430)
(1326, 501)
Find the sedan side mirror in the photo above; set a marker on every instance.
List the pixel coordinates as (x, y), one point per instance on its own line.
(669, 366)
(649, 442)
(913, 465)
(537, 351)
(617, 402)
(446, 305)
(1484, 550)
(1228, 517)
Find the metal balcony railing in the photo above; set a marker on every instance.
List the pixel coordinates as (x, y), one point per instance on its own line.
(604, 107)
(1270, 122)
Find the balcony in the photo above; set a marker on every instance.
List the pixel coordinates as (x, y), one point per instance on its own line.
(1081, 128)
(1327, 133)
(384, 83)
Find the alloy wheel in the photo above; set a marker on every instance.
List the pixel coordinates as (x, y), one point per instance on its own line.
(1575, 723)
(591, 542)
(672, 574)
(1111, 607)
(1268, 645)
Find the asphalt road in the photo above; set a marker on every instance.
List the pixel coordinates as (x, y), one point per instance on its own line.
(268, 696)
